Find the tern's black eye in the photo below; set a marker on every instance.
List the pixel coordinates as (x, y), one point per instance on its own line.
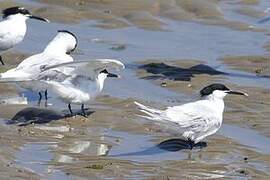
(211, 88)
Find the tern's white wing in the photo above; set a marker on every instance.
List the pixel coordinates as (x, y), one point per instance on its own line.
(158, 116)
(195, 120)
(199, 119)
(43, 60)
(184, 116)
(32, 66)
(190, 114)
(88, 68)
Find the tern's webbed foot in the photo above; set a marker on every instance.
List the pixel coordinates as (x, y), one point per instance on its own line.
(199, 145)
(84, 115)
(191, 144)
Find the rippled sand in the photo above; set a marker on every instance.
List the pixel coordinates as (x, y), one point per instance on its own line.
(113, 142)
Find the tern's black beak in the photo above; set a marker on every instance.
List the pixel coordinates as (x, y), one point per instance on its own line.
(237, 93)
(112, 75)
(38, 18)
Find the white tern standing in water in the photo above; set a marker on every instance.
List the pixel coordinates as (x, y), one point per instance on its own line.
(56, 52)
(81, 82)
(195, 120)
(13, 27)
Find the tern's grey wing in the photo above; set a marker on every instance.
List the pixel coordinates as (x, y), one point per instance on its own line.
(89, 68)
(195, 116)
(40, 61)
(198, 119)
(67, 78)
(53, 75)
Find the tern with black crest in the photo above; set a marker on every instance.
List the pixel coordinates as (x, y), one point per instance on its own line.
(13, 27)
(78, 82)
(196, 120)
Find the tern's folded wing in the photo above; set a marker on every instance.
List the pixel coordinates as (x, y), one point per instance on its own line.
(192, 115)
(88, 68)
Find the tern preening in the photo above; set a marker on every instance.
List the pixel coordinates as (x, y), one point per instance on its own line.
(13, 27)
(78, 82)
(56, 52)
(195, 120)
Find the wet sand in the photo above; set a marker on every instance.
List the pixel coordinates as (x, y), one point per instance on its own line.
(171, 49)
(258, 65)
(143, 14)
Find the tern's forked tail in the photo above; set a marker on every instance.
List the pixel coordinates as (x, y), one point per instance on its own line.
(152, 114)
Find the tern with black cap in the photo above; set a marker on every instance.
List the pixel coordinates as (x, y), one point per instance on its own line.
(13, 27)
(196, 120)
(78, 82)
(83, 83)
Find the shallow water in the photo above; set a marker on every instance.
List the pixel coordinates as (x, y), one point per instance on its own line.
(139, 148)
(115, 135)
(37, 161)
(247, 137)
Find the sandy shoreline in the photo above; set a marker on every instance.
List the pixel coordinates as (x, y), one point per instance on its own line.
(113, 142)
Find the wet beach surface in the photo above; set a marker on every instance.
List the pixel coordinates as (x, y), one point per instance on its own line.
(171, 50)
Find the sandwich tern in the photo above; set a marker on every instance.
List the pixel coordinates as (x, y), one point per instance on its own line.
(195, 120)
(13, 27)
(56, 52)
(78, 82)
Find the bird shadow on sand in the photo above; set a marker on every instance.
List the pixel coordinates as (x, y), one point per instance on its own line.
(170, 145)
(34, 115)
(179, 144)
(164, 71)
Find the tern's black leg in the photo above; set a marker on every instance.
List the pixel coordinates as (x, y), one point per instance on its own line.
(1, 60)
(70, 110)
(46, 94)
(46, 98)
(83, 111)
(40, 97)
(191, 143)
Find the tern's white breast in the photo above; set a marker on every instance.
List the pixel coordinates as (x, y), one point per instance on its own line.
(12, 31)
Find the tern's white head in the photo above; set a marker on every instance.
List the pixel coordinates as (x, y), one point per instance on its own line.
(102, 76)
(218, 91)
(20, 13)
(64, 42)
